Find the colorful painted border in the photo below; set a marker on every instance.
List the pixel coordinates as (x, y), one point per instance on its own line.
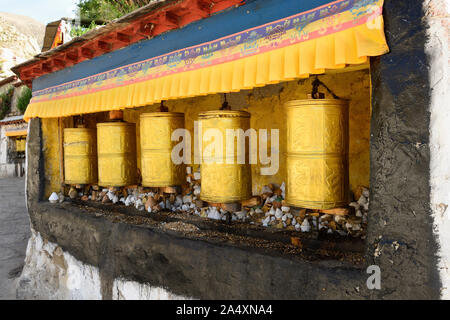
(328, 19)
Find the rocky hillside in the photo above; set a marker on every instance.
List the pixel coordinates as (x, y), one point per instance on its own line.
(20, 39)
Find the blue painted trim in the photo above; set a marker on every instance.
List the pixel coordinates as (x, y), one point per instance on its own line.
(254, 13)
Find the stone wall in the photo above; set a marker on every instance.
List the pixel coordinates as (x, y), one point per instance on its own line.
(400, 231)
(437, 14)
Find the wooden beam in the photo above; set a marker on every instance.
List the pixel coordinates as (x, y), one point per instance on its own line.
(191, 10)
(104, 46)
(73, 56)
(123, 37)
(47, 66)
(37, 70)
(145, 29)
(87, 52)
(165, 21)
(60, 64)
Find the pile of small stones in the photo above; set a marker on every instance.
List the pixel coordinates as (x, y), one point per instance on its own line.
(268, 209)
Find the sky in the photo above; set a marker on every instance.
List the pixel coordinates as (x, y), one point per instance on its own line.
(43, 11)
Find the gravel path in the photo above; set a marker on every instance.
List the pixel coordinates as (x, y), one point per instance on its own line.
(14, 234)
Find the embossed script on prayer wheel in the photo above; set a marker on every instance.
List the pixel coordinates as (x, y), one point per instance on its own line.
(317, 153)
(80, 156)
(116, 143)
(158, 169)
(230, 180)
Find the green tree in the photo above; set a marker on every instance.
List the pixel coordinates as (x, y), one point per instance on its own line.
(5, 103)
(107, 10)
(24, 100)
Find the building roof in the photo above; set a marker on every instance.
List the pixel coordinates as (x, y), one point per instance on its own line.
(11, 120)
(8, 80)
(157, 17)
(50, 33)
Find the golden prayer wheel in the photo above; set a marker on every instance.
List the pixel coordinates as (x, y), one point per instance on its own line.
(23, 143)
(225, 182)
(20, 146)
(158, 169)
(317, 153)
(80, 156)
(116, 144)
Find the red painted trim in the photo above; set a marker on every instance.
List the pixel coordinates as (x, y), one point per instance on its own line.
(168, 18)
(220, 5)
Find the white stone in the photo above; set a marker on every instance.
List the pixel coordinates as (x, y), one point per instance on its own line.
(214, 214)
(258, 210)
(362, 201)
(197, 176)
(278, 213)
(271, 211)
(187, 199)
(241, 214)
(188, 170)
(284, 218)
(294, 222)
(283, 190)
(53, 198)
(354, 205)
(129, 201)
(178, 201)
(298, 227)
(285, 209)
(358, 213)
(138, 203)
(366, 192)
(305, 227)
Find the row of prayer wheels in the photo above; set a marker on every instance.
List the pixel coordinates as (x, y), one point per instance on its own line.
(317, 154)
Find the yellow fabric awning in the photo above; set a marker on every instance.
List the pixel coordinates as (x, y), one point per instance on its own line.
(297, 50)
(16, 133)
